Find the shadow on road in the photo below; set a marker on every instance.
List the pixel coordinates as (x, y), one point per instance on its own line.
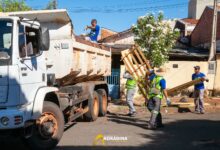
(178, 135)
(123, 119)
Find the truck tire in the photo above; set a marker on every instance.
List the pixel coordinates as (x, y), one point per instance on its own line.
(103, 102)
(93, 104)
(49, 128)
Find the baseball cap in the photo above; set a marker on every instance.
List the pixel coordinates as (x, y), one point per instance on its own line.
(196, 67)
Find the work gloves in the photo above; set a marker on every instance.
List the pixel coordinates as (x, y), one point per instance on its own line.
(168, 101)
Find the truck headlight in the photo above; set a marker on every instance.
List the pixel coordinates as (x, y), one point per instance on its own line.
(4, 121)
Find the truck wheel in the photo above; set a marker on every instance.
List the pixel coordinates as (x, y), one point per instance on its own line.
(93, 105)
(48, 129)
(103, 102)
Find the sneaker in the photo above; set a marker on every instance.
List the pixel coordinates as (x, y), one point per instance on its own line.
(151, 127)
(196, 112)
(132, 114)
(202, 112)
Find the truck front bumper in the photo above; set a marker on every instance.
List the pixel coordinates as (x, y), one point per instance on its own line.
(12, 118)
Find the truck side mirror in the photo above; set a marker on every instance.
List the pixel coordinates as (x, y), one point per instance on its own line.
(44, 39)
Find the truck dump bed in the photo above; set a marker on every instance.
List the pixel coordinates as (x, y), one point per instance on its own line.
(70, 58)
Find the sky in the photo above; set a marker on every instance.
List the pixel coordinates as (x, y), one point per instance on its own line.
(117, 15)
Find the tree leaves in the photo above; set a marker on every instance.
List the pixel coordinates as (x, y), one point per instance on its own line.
(51, 5)
(13, 5)
(155, 37)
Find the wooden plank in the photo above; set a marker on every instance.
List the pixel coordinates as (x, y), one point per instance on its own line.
(130, 64)
(184, 86)
(143, 82)
(144, 58)
(141, 61)
(137, 65)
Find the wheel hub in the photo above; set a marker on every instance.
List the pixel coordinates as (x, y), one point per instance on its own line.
(47, 125)
(95, 106)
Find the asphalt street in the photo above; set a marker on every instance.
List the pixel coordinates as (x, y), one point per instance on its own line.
(182, 131)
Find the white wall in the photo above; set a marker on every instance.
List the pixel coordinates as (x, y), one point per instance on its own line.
(196, 7)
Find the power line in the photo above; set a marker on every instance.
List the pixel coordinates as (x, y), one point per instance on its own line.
(139, 3)
(126, 10)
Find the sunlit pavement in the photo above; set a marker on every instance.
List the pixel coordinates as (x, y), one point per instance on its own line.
(182, 131)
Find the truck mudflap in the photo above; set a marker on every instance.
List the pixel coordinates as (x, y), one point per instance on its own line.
(12, 118)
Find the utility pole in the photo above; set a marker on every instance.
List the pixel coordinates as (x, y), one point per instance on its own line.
(212, 51)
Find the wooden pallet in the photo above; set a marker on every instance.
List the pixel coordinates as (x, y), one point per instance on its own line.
(137, 65)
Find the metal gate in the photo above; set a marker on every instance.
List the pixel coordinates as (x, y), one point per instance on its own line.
(114, 84)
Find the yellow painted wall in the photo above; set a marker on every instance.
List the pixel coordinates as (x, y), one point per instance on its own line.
(183, 74)
(217, 77)
(180, 75)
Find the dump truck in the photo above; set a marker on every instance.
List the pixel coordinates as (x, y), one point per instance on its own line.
(48, 76)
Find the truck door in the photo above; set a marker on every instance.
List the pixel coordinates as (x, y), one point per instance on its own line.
(32, 65)
(3, 84)
(5, 57)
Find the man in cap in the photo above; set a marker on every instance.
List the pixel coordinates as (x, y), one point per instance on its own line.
(131, 89)
(199, 90)
(156, 92)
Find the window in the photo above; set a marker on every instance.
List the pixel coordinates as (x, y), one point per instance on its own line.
(22, 50)
(6, 38)
(175, 66)
(211, 67)
(28, 41)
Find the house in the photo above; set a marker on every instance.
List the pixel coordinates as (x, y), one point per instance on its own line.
(106, 33)
(202, 38)
(196, 7)
(186, 26)
(120, 41)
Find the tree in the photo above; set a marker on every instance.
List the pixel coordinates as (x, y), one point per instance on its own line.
(13, 5)
(52, 4)
(155, 37)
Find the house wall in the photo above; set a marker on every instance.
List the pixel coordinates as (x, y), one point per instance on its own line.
(178, 76)
(182, 74)
(217, 76)
(203, 31)
(196, 7)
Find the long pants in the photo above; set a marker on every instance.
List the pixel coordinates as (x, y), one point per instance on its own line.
(129, 99)
(199, 102)
(153, 106)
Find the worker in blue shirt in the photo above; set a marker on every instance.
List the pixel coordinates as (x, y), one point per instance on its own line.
(156, 93)
(94, 31)
(199, 90)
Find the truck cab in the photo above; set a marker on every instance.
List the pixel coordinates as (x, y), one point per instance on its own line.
(22, 68)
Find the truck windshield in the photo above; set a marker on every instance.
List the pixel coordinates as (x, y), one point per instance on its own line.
(5, 40)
